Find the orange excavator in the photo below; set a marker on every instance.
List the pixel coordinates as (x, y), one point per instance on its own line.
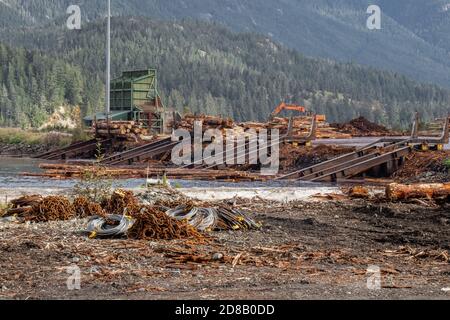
(285, 106)
(301, 109)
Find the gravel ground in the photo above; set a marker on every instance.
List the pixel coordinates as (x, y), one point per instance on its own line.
(304, 251)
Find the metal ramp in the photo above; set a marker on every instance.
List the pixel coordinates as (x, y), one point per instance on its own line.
(354, 163)
(141, 153)
(74, 150)
(301, 140)
(388, 152)
(392, 160)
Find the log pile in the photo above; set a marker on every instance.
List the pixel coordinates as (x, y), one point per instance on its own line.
(209, 122)
(125, 130)
(301, 126)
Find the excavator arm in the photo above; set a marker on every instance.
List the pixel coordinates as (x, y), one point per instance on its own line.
(284, 106)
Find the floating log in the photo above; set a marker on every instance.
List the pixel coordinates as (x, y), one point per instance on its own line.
(67, 171)
(396, 192)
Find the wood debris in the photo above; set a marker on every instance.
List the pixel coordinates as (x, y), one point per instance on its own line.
(416, 253)
(359, 192)
(418, 163)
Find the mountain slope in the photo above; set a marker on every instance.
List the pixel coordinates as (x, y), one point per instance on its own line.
(207, 68)
(429, 19)
(413, 41)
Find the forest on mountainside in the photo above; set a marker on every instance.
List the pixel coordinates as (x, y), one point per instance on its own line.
(414, 39)
(203, 67)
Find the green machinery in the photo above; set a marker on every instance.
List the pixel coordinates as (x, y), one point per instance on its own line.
(134, 96)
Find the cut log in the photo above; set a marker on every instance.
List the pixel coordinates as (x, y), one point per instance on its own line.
(358, 192)
(396, 192)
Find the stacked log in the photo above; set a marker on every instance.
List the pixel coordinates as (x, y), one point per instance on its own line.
(126, 130)
(301, 126)
(209, 122)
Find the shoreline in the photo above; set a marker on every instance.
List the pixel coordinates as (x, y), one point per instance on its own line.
(274, 194)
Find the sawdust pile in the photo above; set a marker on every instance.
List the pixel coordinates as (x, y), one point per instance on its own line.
(419, 164)
(292, 157)
(361, 127)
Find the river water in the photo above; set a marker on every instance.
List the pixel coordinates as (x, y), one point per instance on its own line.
(13, 183)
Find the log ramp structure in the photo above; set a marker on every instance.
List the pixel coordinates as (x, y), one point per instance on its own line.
(153, 149)
(70, 171)
(384, 156)
(141, 153)
(75, 149)
(355, 163)
(149, 150)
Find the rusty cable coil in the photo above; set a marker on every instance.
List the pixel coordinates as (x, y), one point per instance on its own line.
(51, 208)
(85, 208)
(120, 202)
(208, 219)
(151, 223)
(111, 225)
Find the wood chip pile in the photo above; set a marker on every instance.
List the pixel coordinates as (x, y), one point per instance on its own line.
(361, 127)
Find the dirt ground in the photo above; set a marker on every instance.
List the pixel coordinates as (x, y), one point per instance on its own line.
(306, 250)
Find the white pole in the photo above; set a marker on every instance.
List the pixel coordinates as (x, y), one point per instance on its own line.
(108, 60)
